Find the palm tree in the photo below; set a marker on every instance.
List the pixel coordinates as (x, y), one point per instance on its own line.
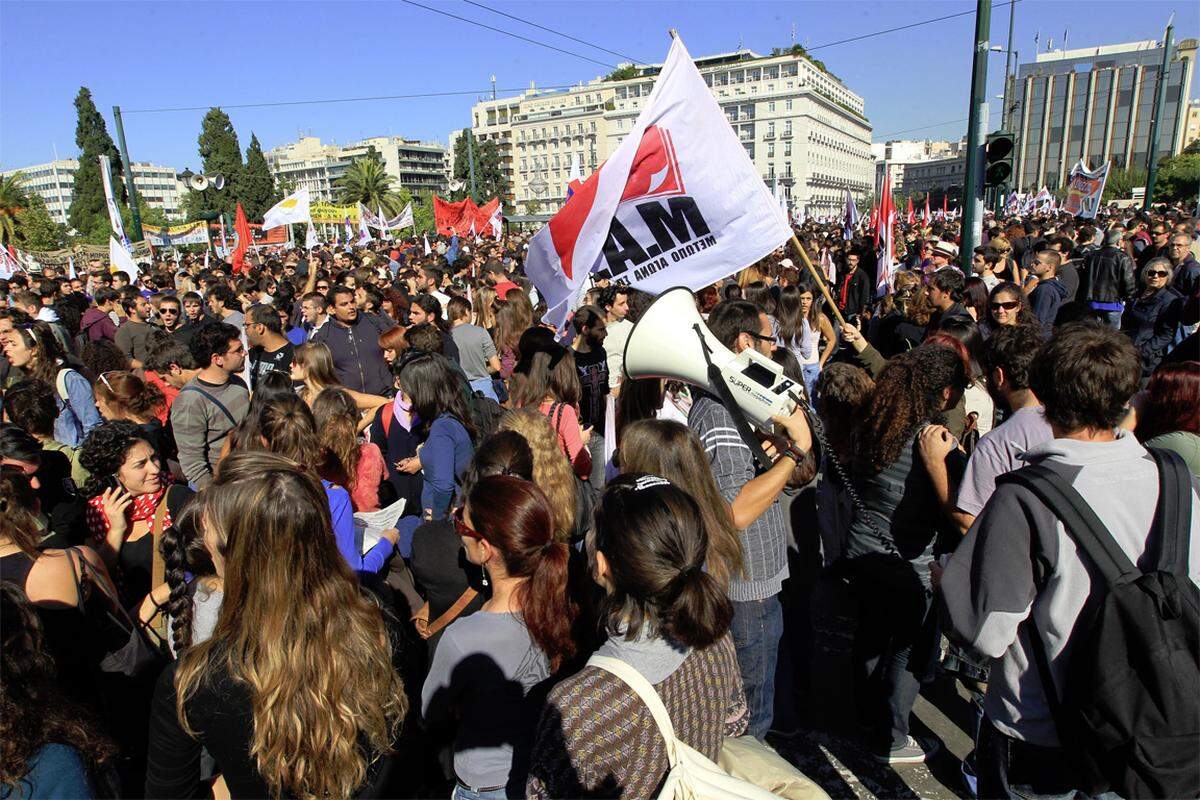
(13, 199)
(366, 182)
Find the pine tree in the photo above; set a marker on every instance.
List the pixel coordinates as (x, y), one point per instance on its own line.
(489, 176)
(220, 152)
(258, 192)
(89, 212)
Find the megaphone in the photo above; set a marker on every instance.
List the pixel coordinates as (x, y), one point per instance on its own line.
(201, 182)
(671, 341)
(217, 180)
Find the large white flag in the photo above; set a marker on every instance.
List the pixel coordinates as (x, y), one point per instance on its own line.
(310, 237)
(120, 259)
(495, 221)
(114, 213)
(291, 210)
(678, 203)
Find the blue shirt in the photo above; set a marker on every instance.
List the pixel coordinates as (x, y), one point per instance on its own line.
(55, 772)
(77, 415)
(342, 513)
(445, 456)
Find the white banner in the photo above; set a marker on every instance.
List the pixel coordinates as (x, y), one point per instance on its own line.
(114, 213)
(403, 220)
(1084, 190)
(679, 203)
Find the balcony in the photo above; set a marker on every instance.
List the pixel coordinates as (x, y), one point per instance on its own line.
(768, 136)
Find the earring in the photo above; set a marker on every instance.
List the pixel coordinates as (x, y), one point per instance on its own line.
(485, 578)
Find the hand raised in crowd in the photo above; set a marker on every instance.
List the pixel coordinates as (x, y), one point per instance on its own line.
(936, 442)
(114, 502)
(853, 336)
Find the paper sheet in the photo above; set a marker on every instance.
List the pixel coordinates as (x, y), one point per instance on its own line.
(370, 525)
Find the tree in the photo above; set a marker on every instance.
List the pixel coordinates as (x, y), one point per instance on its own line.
(422, 205)
(1121, 183)
(489, 175)
(366, 182)
(258, 191)
(220, 152)
(1178, 177)
(13, 199)
(623, 73)
(36, 229)
(89, 211)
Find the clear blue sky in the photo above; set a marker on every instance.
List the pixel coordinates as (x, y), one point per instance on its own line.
(157, 54)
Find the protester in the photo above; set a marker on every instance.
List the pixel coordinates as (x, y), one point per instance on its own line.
(32, 352)
(353, 342)
(312, 367)
(591, 364)
(1046, 292)
(665, 617)
(1168, 415)
(123, 395)
(546, 379)
(351, 463)
(135, 329)
(1009, 305)
(570, 499)
(1106, 280)
(802, 325)
(1085, 377)
(491, 669)
(476, 350)
(1151, 320)
(212, 403)
(294, 629)
(269, 349)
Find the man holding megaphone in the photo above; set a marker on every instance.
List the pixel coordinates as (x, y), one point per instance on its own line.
(737, 385)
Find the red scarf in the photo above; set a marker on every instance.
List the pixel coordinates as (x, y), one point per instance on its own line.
(142, 508)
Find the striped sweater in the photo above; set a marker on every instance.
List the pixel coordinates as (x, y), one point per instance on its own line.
(596, 738)
(764, 541)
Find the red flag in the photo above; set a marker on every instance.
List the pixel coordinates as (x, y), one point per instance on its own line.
(912, 217)
(875, 223)
(242, 228)
(887, 219)
(944, 209)
(927, 216)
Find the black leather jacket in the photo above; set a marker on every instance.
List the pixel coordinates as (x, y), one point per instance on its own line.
(1107, 276)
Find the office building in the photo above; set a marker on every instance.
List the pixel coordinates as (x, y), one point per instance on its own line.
(1191, 126)
(898, 155)
(54, 181)
(805, 131)
(1096, 104)
(935, 176)
(307, 163)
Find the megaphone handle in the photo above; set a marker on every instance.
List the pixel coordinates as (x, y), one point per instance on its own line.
(717, 381)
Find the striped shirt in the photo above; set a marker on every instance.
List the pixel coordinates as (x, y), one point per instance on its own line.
(764, 541)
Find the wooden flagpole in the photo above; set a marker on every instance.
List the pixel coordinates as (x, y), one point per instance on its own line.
(819, 278)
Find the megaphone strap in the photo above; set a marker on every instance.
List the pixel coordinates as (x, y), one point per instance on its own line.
(717, 381)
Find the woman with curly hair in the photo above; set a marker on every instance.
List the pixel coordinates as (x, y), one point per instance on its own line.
(1008, 305)
(126, 506)
(49, 746)
(33, 352)
(295, 693)
(350, 462)
(890, 541)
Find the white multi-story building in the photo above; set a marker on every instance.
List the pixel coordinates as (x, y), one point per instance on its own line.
(307, 163)
(802, 128)
(158, 186)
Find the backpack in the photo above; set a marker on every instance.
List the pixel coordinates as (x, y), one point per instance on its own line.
(1129, 713)
(690, 774)
(485, 415)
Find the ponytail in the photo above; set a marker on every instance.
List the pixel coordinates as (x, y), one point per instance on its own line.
(542, 598)
(700, 610)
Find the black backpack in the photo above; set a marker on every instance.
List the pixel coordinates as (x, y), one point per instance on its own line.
(1129, 714)
(485, 415)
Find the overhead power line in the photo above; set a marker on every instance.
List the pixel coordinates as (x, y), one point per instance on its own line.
(903, 27)
(923, 127)
(551, 30)
(508, 33)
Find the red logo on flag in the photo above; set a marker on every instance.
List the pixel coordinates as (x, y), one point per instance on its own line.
(655, 170)
(654, 173)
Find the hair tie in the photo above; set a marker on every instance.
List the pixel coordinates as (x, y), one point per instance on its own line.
(644, 482)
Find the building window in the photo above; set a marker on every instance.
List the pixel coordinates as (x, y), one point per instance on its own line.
(787, 148)
(770, 149)
(788, 105)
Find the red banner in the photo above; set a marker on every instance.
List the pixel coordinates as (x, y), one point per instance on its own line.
(457, 219)
(273, 236)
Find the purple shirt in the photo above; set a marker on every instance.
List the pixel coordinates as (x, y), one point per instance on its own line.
(997, 454)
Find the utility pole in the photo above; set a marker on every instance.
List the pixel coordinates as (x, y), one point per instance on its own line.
(973, 187)
(471, 161)
(1159, 101)
(129, 184)
(1008, 51)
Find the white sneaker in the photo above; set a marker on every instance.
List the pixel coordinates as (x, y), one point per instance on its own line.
(911, 752)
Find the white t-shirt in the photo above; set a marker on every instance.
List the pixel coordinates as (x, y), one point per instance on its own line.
(996, 453)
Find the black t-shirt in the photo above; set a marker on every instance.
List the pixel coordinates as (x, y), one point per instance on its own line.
(262, 362)
(593, 387)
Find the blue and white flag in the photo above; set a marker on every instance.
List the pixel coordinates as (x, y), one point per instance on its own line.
(849, 218)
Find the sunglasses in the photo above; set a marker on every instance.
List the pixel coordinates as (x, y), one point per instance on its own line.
(462, 528)
(1158, 273)
(165, 310)
(760, 337)
(1007, 305)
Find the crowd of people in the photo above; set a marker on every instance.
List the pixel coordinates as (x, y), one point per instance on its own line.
(192, 606)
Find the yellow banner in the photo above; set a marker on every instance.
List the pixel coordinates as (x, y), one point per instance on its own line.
(328, 212)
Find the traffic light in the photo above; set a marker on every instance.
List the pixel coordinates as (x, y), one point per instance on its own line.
(998, 158)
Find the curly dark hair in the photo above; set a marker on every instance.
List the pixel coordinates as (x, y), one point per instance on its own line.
(104, 451)
(33, 711)
(103, 356)
(1085, 376)
(909, 393)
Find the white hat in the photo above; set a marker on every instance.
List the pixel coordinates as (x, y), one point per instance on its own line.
(947, 249)
(785, 262)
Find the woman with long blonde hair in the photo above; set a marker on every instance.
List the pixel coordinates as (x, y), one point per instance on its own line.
(484, 308)
(673, 451)
(312, 365)
(551, 472)
(295, 693)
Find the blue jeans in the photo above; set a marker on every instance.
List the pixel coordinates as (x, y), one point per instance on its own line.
(757, 628)
(1011, 769)
(463, 793)
(484, 386)
(811, 372)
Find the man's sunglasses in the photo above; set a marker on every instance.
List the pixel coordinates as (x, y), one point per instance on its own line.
(462, 528)
(168, 310)
(760, 337)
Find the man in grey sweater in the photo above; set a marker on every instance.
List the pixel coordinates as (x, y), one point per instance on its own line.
(212, 403)
(757, 512)
(1084, 377)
